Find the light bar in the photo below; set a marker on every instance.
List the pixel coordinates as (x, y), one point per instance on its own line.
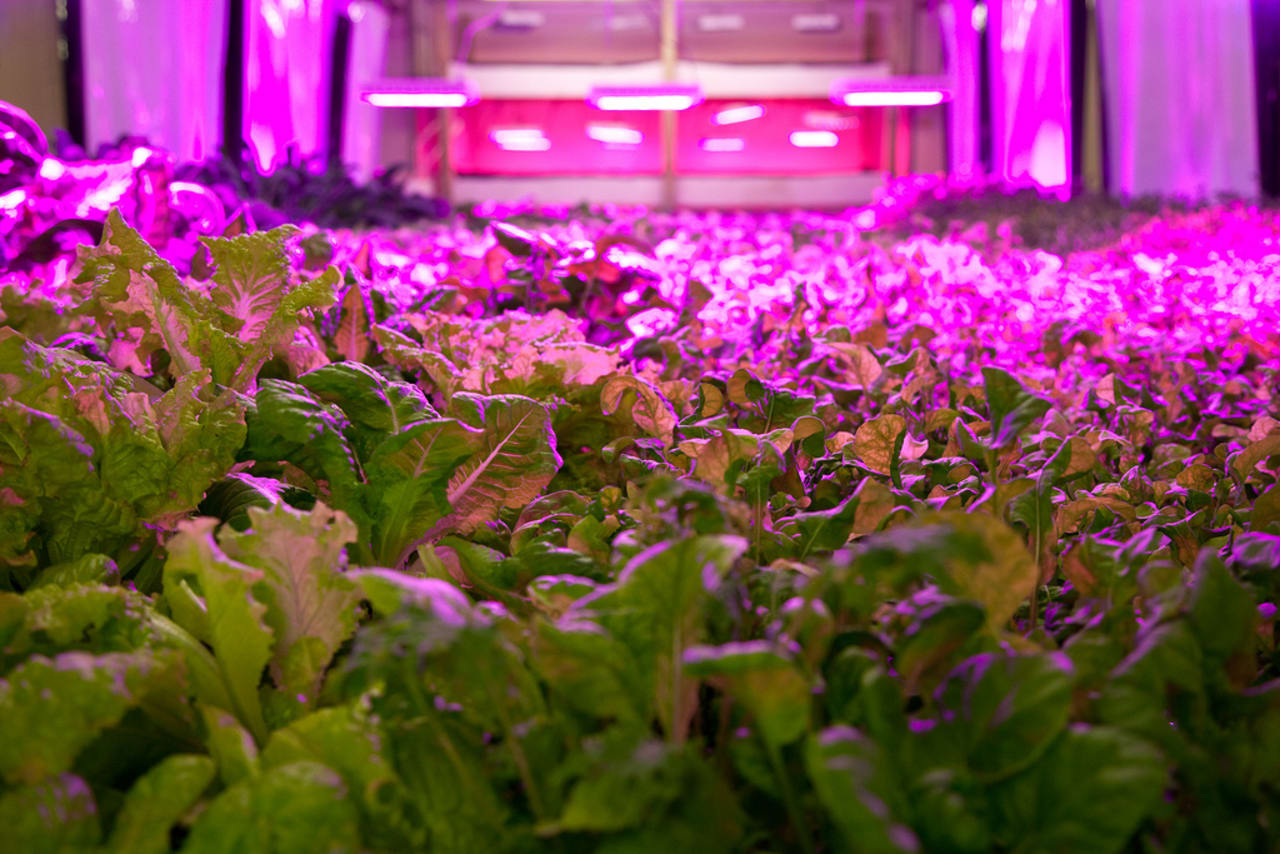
(420, 92)
(520, 139)
(722, 143)
(891, 92)
(814, 139)
(734, 115)
(672, 97)
(616, 134)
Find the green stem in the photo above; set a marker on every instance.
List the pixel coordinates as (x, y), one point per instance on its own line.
(794, 814)
(517, 753)
(677, 669)
(1035, 591)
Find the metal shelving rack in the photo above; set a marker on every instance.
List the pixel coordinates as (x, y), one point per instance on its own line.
(436, 35)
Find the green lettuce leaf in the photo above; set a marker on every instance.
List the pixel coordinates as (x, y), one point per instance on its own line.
(311, 604)
(59, 705)
(296, 808)
(240, 635)
(157, 801)
(57, 815)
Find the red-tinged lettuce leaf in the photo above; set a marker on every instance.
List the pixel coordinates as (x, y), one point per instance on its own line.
(250, 313)
(516, 459)
(650, 410)
(351, 338)
(135, 289)
(157, 801)
(294, 808)
(59, 705)
(251, 275)
(539, 356)
(239, 633)
(311, 604)
(254, 284)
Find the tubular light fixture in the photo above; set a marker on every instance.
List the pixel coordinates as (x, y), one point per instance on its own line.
(615, 134)
(420, 92)
(664, 97)
(814, 139)
(722, 143)
(891, 92)
(734, 115)
(520, 139)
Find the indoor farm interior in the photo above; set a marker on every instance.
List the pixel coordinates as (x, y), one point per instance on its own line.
(347, 512)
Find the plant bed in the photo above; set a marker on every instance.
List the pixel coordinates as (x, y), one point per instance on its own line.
(634, 531)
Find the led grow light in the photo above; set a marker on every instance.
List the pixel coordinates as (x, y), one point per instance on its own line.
(520, 139)
(420, 92)
(722, 143)
(891, 92)
(735, 115)
(814, 139)
(615, 134)
(501, 135)
(672, 97)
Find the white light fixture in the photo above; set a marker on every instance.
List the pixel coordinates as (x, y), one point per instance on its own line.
(814, 139)
(891, 92)
(722, 143)
(420, 92)
(520, 139)
(615, 134)
(734, 115)
(664, 97)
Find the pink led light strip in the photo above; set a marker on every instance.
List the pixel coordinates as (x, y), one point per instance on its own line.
(420, 93)
(891, 92)
(673, 97)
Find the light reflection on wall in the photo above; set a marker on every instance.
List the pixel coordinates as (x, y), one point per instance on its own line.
(287, 48)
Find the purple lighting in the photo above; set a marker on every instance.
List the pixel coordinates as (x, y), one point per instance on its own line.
(890, 92)
(420, 92)
(735, 115)
(814, 139)
(673, 97)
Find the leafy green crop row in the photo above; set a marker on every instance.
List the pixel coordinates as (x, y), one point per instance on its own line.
(289, 569)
